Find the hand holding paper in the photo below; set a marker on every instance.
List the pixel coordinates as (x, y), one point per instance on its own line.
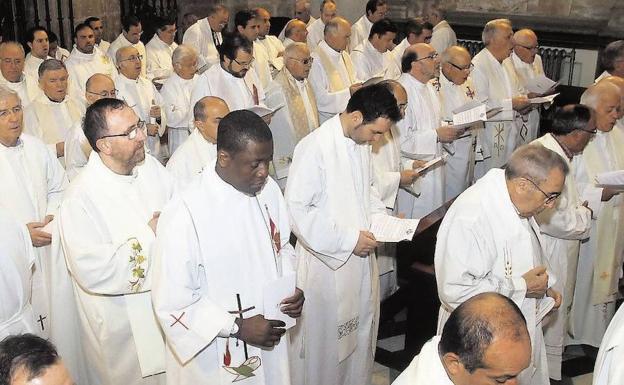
(275, 292)
(392, 229)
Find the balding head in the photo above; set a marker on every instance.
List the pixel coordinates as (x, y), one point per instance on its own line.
(264, 19)
(456, 64)
(208, 112)
(399, 92)
(497, 36)
(328, 10)
(337, 33)
(604, 97)
(129, 62)
(619, 82)
(297, 60)
(296, 30)
(525, 45)
(12, 60)
(302, 10)
(99, 86)
(421, 61)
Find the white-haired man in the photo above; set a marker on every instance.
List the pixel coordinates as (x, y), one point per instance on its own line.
(12, 74)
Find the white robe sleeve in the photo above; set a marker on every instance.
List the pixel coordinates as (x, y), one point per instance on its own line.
(360, 62)
(57, 183)
(565, 222)
(326, 100)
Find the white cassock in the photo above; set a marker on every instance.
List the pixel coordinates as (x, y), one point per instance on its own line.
(316, 34)
(359, 32)
(394, 70)
(562, 228)
(331, 75)
(121, 42)
(202, 38)
(426, 368)
(297, 118)
(51, 121)
(103, 224)
(529, 123)
(493, 82)
(77, 148)
(442, 37)
(27, 88)
(261, 64)
(17, 260)
(159, 57)
(282, 34)
(81, 66)
(462, 151)
(370, 63)
(418, 136)
(274, 47)
(485, 246)
(204, 266)
(331, 199)
(608, 369)
(103, 46)
(600, 256)
(31, 65)
(141, 95)
(176, 97)
(238, 93)
(191, 158)
(288, 41)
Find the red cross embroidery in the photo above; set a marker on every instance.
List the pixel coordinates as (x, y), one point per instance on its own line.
(470, 93)
(178, 320)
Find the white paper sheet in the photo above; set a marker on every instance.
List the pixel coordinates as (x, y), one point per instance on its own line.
(433, 162)
(543, 99)
(544, 306)
(611, 178)
(263, 111)
(274, 292)
(392, 229)
(540, 84)
(473, 115)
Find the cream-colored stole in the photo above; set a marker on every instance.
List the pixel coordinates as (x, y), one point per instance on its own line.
(303, 123)
(335, 81)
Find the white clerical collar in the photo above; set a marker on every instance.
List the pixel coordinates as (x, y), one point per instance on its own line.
(22, 79)
(180, 79)
(159, 41)
(367, 23)
(18, 146)
(106, 172)
(122, 78)
(440, 25)
(229, 76)
(329, 50)
(370, 48)
(82, 55)
(123, 39)
(42, 98)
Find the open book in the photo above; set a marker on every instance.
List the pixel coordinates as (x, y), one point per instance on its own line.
(611, 179)
(263, 111)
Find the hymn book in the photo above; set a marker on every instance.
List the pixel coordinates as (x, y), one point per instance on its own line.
(541, 85)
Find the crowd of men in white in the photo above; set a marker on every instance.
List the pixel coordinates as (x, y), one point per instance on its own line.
(95, 146)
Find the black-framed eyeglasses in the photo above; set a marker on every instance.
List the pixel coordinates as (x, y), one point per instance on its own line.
(469, 68)
(433, 56)
(305, 61)
(534, 48)
(133, 58)
(105, 94)
(132, 134)
(549, 197)
(245, 65)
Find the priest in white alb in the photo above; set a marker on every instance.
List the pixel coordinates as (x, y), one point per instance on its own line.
(316, 29)
(443, 36)
(360, 30)
(97, 26)
(295, 32)
(373, 57)
(12, 72)
(273, 46)
(332, 204)
(200, 148)
(108, 223)
(160, 48)
(302, 14)
(37, 41)
(608, 369)
(130, 36)
(206, 35)
(248, 26)
(416, 31)
(298, 115)
(216, 280)
(612, 60)
(176, 95)
(333, 76)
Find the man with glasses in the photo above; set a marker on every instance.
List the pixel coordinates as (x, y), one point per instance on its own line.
(129, 36)
(600, 257)
(248, 25)
(107, 223)
(564, 225)
(86, 60)
(160, 49)
(373, 57)
(234, 80)
(176, 95)
(141, 95)
(489, 241)
(12, 74)
(299, 116)
(416, 31)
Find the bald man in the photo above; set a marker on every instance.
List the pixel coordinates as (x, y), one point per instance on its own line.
(316, 30)
(273, 46)
(619, 81)
(333, 74)
(302, 13)
(600, 258)
(295, 32)
(299, 116)
(485, 338)
(201, 146)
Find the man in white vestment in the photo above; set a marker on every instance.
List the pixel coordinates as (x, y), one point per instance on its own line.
(273, 46)
(187, 20)
(86, 60)
(295, 32)
(443, 36)
(489, 241)
(248, 26)
(37, 41)
(55, 50)
(421, 133)
(160, 48)
(608, 369)
(299, 114)
(373, 57)
(52, 114)
(98, 29)
(416, 31)
(494, 82)
(316, 29)
(233, 80)
(485, 339)
(302, 13)
(455, 89)
(200, 148)
(130, 36)
(565, 224)
(612, 60)
(176, 95)
(600, 256)
(12, 72)
(526, 64)
(332, 203)
(107, 223)
(141, 95)
(206, 35)
(360, 30)
(333, 76)
(213, 277)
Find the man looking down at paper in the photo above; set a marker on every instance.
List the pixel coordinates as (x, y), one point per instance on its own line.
(332, 206)
(489, 241)
(212, 290)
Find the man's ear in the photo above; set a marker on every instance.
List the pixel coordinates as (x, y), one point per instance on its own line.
(240, 29)
(104, 146)
(223, 158)
(452, 364)
(29, 45)
(357, 118)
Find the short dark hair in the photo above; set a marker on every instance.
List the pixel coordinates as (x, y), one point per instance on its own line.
(161, 23)
(570, 118)
(130, 21)
(232, 42)
(80, 27)
(382, 27)
(374, 101)
(94, 124)
(416, 26)
(52, 38)
(406, 61)
(612, 51)
(91, 19)
(371, 5)
(238, 128)
(30, 34)
(28, 352)
(242, 17)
